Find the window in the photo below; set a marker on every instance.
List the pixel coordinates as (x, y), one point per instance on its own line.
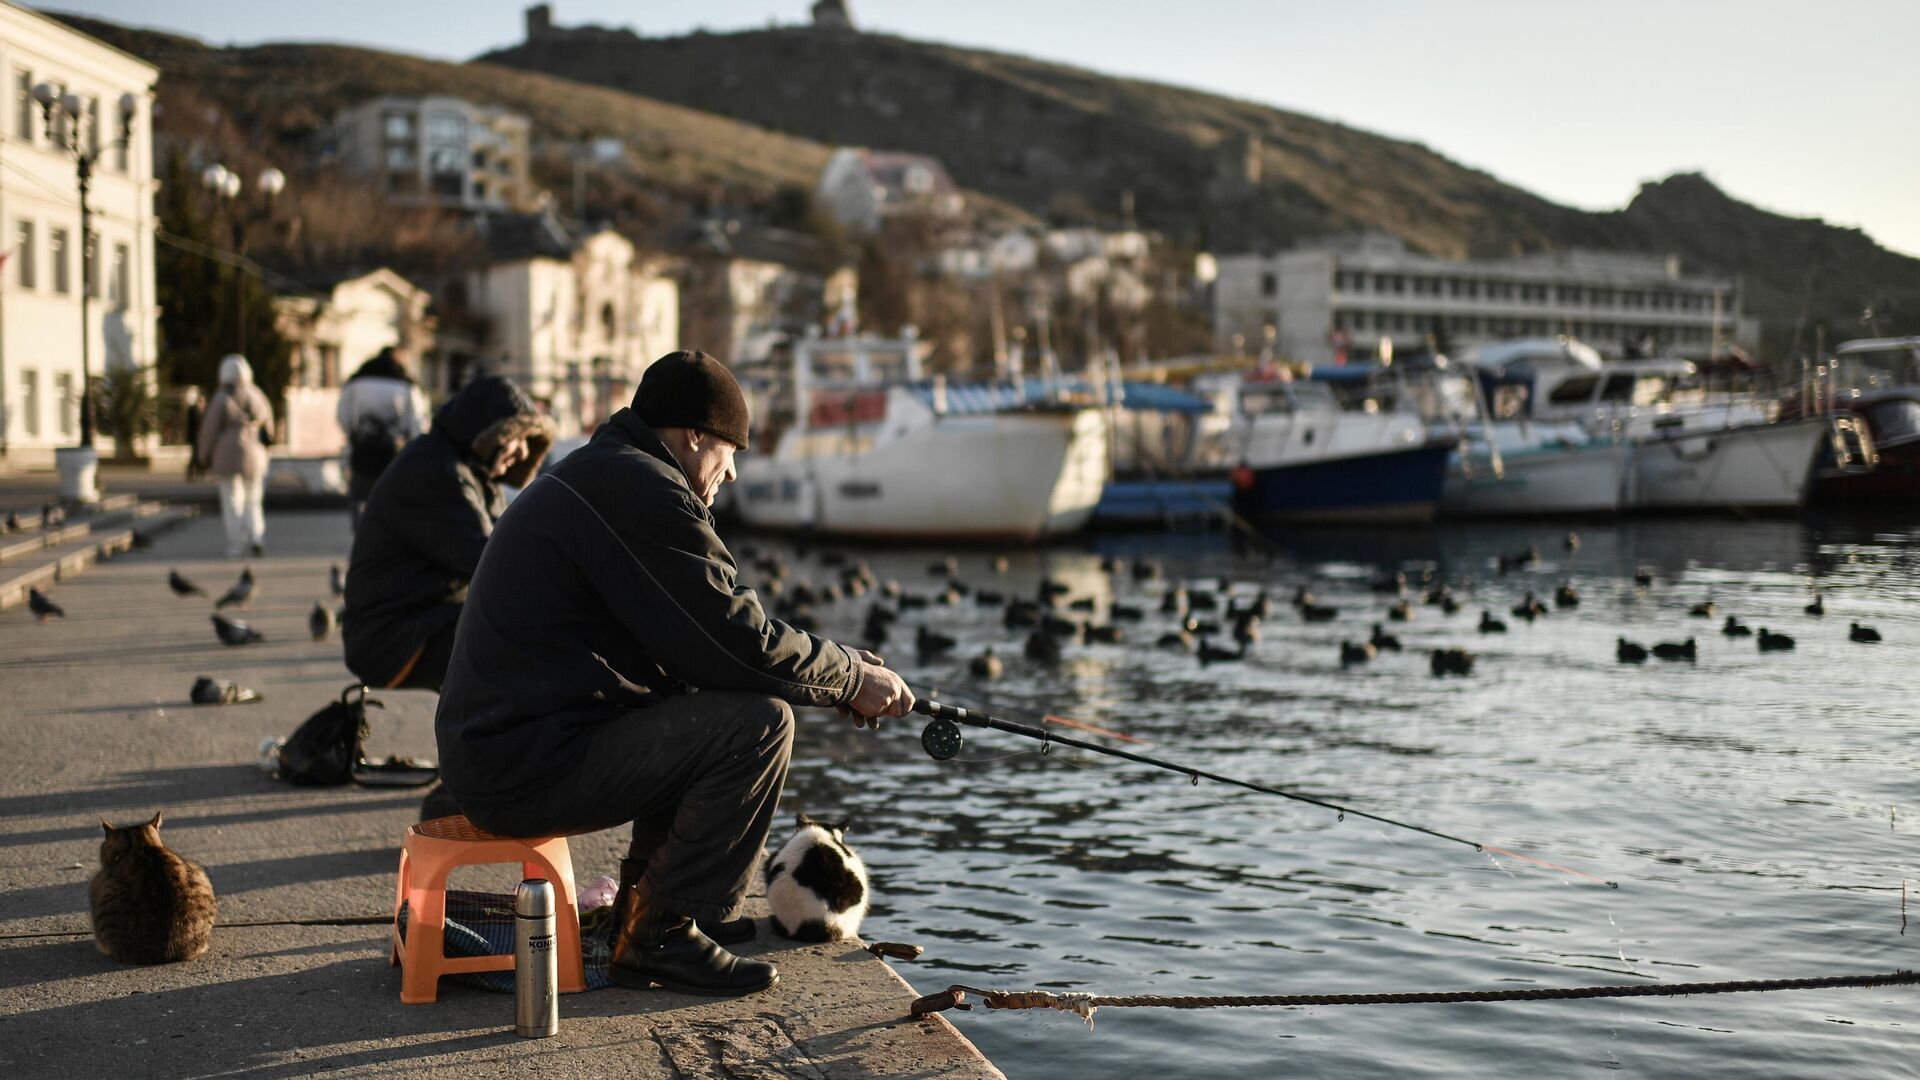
(399, 157)
(57, 250)
(65, 402)
(398, 127)
(117, 282)
(1567, 294)
(24, 254)
(61, 132)
(30, 401)
(446, 127)
(1269, 284)
(120, 144)
(90, 266)
(24, 105)
(91, 110)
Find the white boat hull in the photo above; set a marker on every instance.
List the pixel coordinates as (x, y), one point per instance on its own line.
(1570, 480)
(1753, 467)
(1005, 476)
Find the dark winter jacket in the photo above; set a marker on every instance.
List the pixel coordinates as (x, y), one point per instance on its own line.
(605, 590)
(425, 523)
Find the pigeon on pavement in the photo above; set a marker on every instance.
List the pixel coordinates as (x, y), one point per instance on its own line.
(42, 607)
(337, 581)
(181, 586)
(211, 691)
(240, 594)
(320, 621)
(235, 632)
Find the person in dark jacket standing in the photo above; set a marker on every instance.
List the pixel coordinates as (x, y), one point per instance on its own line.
(610, 668)
(425, 523)
(380, 411)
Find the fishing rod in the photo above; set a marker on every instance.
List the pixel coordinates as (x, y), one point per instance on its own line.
(942, 739)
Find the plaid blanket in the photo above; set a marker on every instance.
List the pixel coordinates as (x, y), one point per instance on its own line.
(481, 924)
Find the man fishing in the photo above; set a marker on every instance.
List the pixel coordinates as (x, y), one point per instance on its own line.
(609, 668)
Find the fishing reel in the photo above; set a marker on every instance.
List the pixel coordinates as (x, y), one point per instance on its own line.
(941, 738)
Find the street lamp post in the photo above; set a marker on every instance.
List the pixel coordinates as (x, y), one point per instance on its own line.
(65, 135)
(226, 187)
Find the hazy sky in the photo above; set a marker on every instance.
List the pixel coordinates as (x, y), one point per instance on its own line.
(1803, 108)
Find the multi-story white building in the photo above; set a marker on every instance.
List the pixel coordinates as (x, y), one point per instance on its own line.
(41, 279)
(1349, 296)
(575, 321)
(438, 151)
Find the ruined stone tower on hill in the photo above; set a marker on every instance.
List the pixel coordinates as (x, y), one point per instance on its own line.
(832, 15)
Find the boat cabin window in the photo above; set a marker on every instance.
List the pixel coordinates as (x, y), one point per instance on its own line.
(1622, 389)
(1573, 391)
(1264, 401)
(1895, 419)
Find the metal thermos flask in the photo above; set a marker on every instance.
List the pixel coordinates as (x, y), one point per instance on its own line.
(536, 967)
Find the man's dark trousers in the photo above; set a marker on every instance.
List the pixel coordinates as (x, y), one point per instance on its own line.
(699, 776)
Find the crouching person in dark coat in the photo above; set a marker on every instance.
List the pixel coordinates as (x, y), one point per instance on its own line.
(425, 523)
(610, 668)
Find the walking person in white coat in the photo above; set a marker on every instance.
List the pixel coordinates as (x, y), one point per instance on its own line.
(233, 446)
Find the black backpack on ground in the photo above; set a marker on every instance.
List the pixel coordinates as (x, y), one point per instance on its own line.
(328, 750)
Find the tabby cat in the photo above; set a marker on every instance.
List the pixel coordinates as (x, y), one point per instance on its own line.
(150, 906)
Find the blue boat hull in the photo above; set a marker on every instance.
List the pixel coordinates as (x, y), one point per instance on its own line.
(1157, 502)
(1398, 486)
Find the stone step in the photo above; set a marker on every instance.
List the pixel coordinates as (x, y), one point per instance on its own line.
(83, 545)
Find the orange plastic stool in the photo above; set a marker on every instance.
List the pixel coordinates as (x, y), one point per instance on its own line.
(432, 850)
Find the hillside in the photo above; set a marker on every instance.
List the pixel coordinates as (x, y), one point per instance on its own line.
(285, 93)
(1067, 143)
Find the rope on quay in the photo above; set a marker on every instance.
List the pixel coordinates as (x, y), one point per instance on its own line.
(1084, 1005)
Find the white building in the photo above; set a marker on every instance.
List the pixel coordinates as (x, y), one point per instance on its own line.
(860, 188)
(41, 278)
(439, 151)
(574, 321)
(1350, 295)
(332, 334)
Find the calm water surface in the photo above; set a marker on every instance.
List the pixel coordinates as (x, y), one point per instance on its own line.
(1757, 810)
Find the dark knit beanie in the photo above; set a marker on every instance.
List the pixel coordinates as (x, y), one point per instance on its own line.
(693, 390)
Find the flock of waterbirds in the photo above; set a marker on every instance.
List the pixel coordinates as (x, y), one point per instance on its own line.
(1194, 620)
(1215, 622)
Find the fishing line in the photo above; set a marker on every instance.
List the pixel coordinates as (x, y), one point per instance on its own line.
(942, 740)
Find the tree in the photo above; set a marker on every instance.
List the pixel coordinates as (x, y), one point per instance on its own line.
(200, 293)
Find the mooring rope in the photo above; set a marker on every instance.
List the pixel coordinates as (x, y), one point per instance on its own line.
(1083, 1005)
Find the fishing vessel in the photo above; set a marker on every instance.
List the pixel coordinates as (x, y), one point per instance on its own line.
(1510, 469)
(1300, 457)
(1874, 383)
(1691, 446)
(860, 444)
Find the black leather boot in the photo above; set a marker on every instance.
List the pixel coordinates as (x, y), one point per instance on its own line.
(731, 932)
(660, 948)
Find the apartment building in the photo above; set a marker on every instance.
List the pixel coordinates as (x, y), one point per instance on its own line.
(1346, 298)
(43, 273)
(439, 151)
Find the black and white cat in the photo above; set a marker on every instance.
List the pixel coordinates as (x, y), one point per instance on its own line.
(817, 885)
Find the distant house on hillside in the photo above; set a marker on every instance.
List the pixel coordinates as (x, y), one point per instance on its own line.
(861, 187)
(439, 151)
(575, 320)
(746, 288)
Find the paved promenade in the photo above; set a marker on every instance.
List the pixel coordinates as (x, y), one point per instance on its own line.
(94, 722)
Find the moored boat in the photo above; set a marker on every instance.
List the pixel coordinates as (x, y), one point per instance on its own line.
(1302, 458)
(869, 449)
